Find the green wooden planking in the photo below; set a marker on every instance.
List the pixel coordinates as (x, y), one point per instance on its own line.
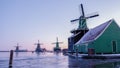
(104, 43)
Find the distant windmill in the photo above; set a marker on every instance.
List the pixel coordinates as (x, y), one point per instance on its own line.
(57, 48)
(82, 19)
(17, 48)
(38, 48)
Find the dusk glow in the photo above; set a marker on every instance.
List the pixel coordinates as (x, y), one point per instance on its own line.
(27, 21)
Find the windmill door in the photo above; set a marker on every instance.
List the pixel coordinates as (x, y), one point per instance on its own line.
(114, 46)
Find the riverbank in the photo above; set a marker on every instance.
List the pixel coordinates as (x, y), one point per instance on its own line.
(95, 56)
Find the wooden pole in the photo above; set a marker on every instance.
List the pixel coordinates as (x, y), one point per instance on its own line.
(76, 52)
(11, 59)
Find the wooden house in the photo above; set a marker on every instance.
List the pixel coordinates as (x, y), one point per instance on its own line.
(104, 38)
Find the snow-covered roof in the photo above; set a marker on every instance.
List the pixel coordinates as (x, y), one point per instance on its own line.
(94, 33)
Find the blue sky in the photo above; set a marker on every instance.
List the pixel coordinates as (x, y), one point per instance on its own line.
(26, 21)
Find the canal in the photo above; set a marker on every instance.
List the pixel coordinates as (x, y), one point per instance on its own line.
(52, 60)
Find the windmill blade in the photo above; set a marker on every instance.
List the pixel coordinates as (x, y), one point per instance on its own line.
(54, 43)
(57, 39)
(38, 40)
(92, 16)
(38, 43)
(41, 43)
(35, 44)
(60, 42)
(83, 14)
(17, 46)
(74, 20)
(80, 9)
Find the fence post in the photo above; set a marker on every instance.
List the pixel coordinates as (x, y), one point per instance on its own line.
(11, 59)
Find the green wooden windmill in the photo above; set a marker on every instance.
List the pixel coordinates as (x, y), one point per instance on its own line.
(38, 48)
(81, 30)
(57, 48)
(82, 19)
(17, 48)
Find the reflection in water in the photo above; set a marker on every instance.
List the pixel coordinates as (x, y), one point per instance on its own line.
(16, 54)
(108, 65)
(93, 63)
(57, 53)
(10, 67)
(75, 63)
(39, 53)
(72, 63)
(54, 59)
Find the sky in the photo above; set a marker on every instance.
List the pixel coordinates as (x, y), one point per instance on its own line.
(27, 21)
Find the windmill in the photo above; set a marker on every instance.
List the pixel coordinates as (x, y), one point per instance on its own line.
(38, 48)
(81, 30)
(17, 48)
(57, 48)
(82, 19)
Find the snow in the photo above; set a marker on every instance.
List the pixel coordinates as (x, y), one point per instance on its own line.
(94, 33)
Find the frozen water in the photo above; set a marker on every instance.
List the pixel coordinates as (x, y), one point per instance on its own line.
(51, 60)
